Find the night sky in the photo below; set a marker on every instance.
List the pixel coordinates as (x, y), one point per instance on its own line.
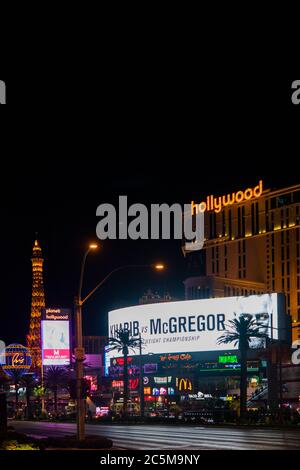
(57, 167)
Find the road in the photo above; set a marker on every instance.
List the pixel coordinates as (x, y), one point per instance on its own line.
(174, 437)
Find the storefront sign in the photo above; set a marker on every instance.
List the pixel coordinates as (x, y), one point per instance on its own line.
(184, 384)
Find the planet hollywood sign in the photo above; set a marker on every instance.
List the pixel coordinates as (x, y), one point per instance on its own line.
(217, 204)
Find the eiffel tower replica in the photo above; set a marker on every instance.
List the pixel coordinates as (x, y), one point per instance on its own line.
(37, 304)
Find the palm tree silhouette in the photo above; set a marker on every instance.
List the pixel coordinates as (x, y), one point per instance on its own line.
(241, 332)
(123, 342)
(56, 378)
(29, 382)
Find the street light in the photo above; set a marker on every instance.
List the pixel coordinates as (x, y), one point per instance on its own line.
(79, 350)
(159, 267)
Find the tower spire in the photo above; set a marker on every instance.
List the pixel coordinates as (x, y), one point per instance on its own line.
(37, 304)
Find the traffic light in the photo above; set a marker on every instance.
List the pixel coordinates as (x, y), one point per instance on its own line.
(85, 388)
(73, 391)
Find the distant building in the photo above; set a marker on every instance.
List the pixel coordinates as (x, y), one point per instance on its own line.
(94, 344)
(151, 298)
(37, 305)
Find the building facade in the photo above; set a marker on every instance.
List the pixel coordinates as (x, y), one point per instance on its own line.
(251, 247)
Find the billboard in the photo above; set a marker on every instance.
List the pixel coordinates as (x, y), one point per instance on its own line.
(56, 337)
(195, 325)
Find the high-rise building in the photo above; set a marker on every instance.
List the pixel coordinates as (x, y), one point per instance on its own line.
(251, 247)
(37, 304)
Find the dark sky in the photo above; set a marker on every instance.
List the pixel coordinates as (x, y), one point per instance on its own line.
(170, 145)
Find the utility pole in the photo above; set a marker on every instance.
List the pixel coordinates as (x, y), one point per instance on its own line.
(142, 400)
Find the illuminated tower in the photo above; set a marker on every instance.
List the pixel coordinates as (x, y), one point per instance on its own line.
(37, 304)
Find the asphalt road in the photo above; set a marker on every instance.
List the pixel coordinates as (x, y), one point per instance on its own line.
(158, 437)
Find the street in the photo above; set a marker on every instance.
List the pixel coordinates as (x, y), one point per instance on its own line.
(159, 437)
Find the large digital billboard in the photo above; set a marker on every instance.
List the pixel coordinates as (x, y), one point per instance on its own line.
(195, 325)
(56, 337)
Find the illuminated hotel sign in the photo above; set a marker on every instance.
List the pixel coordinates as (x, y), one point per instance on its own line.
(56, 314)
(216, 204)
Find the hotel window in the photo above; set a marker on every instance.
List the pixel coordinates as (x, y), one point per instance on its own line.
(288, 284)
(281, 218)
(298, 298)
(239, 222)
(230, 223)
(267, 215)
(288, 268)
(217, 259)
(252, 219)
(297, 219)
(257, 217)
(287, 214)
(223, 224)
(282, 284)
(213, 225)
(272, 221)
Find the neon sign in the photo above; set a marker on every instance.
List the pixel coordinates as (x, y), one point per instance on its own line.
(228, 359)
(216, 204)
(175, 357)
(184, 384)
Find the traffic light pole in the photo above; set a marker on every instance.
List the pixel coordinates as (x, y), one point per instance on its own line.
(79, 358)
(142, 398)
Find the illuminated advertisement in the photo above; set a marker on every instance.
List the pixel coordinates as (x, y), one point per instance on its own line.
(56, 342)
(195, 325)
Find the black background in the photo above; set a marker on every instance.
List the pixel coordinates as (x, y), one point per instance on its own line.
(71, 141)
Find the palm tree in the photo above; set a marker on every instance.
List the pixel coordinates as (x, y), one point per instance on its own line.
(55, 378)
(16, 377)
(241, 332)
(29, 382)
(39, 392)
(123, 342)
(3, 405)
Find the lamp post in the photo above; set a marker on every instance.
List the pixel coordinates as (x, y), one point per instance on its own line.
(79, 350)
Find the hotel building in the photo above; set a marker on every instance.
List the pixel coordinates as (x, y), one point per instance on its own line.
(251, 247)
